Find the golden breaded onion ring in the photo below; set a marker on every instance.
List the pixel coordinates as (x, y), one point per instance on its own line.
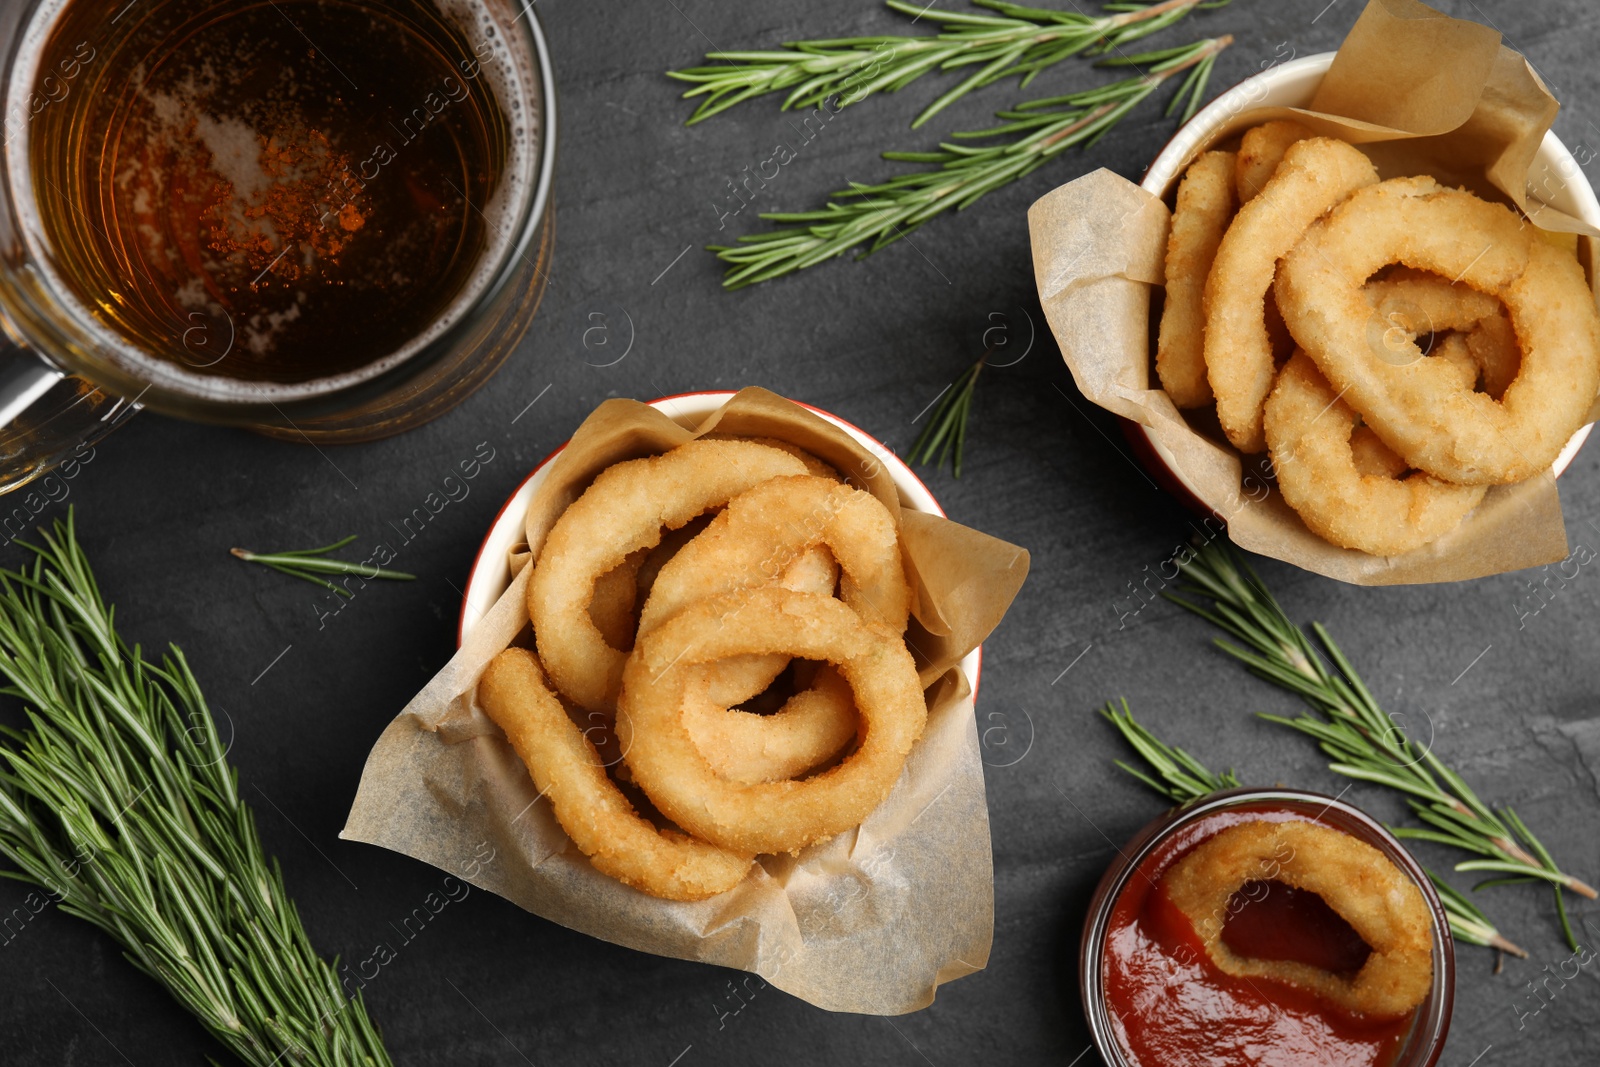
(1205, 206)
(737, 679)
(1414, 404)
(1493, 347)
(1352, 877)
(1418, 302)
(782, 816)
(625, 509)
(566, 768)
(1315, 175)
(768, 532)
(1309, 437)
(1408, 303)
(766, 529)
(1261, 149)
(811, 728)
(1372, 456)
(814, 466)
(614, 608)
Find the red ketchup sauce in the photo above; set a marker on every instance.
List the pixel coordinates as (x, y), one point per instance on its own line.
(1171, 1007)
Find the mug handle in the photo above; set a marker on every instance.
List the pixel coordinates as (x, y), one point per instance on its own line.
(24, 379)
(49, 417)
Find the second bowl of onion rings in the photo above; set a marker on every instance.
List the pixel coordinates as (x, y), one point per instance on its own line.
(1292, 85)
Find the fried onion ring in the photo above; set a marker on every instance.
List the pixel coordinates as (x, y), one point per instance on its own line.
(768, 817)
(764, 530)
(1309, 434)
(814, 466)
(614, 607)
(624, 510)
(1417, 302)
(1493, 346)
(1452, 349)
(566, 768)
(773, 530)
(750, 542)
(1205, 207)
(1409, 303)
(1356, 880)
(807, 731)
(1315, 175)
(738, 678)
(1414, 405)
(1260, 151)
(1372, 456)
(657, 557)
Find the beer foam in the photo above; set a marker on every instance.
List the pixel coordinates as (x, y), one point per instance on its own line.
(514, 77)
(509, 62)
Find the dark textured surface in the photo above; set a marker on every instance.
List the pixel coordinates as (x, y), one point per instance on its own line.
(1510, 699)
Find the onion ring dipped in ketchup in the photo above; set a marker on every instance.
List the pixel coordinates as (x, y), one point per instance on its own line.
(1267, 928)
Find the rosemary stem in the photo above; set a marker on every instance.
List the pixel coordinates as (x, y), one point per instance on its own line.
(1182, 778)
(1365, 741)
(307, 564)
(1013, 40)
(1032, 133)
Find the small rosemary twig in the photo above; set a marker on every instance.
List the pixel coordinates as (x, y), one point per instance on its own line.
(1183, 778)
(307, 563)
(946, 431)
(1364, 741)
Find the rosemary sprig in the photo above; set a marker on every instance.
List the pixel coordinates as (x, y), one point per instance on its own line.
(118, 799)
(1365, 742)
(307, 563)
(1030, 136)
(1183, 778)
(946, 431)
(1017, 40)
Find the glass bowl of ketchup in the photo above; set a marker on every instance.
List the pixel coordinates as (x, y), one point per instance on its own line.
(1154, 998)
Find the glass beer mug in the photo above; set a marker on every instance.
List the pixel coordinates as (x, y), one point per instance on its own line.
(321, 220)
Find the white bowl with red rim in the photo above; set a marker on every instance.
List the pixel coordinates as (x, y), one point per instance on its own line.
(1293, 84)
(491, 571)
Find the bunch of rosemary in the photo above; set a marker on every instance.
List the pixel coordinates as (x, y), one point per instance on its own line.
(1365, 742)
(1180, 778)
(117, 798)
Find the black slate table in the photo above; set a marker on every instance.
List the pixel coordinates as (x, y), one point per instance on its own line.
(1504, 678)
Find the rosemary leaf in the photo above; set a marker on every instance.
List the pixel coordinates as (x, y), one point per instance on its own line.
(1183, 778)
(946, 432)
(1468, 923)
